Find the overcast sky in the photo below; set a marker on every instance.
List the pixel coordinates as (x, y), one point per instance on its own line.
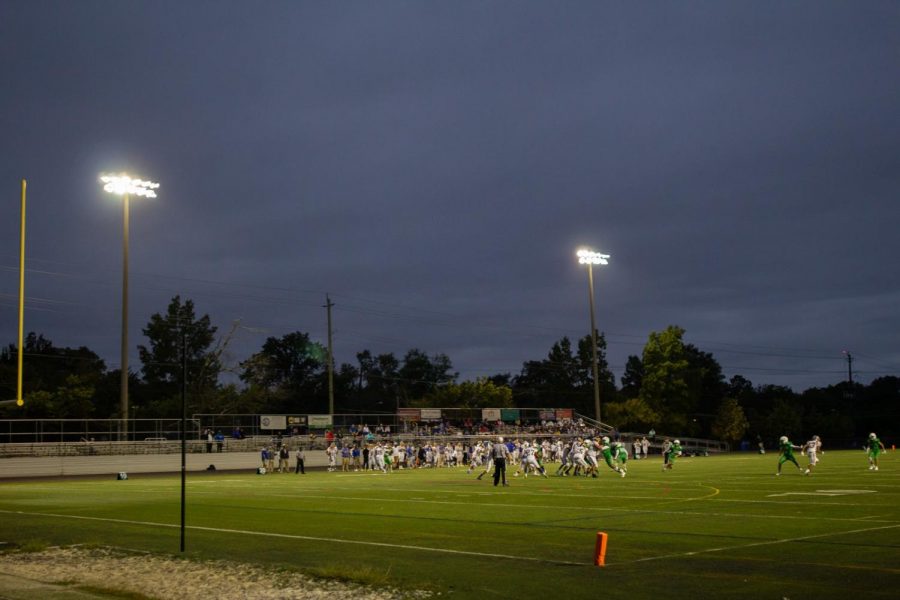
(434, 167)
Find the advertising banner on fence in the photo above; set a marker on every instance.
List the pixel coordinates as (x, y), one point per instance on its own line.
(319, 421)
(272, 422)
(509, 414)
(431, 414)
(547, 415)
(409, 414)
(563, 413)
(297, 420)
(490, 414)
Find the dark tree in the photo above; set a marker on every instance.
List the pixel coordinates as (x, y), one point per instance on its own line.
(162, 359)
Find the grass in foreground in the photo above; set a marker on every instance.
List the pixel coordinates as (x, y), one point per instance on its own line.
(717, 527)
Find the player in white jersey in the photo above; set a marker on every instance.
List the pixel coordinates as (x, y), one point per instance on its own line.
(332, 451)
(397, 456)
(530, 461)
(379, 458)
(811, 448)
(474, 459)
(577, 457)
(590, 456)
(488, 460)
(564, 463)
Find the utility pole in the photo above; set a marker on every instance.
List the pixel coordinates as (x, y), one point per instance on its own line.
(328, 305)
(849, 367)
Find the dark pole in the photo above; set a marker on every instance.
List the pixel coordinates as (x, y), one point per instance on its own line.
(183, 426)
(328, 305)
(850, 368)
(123, 385)
(594, 361)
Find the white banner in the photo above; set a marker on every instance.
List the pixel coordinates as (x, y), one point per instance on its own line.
(431, 414)
(272, 422)
(319, 421)
(490, 414)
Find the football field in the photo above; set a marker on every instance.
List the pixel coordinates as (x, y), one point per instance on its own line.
(714, 527)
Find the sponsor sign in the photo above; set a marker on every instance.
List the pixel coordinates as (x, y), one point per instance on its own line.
(431, 414)
(509, 414)
(272, 422)
(547, 415)
(297, 420)
(563, 413)
(319, 421)
(409, 414)
(490, 414)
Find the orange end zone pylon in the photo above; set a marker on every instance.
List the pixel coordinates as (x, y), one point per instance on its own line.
(600, 549)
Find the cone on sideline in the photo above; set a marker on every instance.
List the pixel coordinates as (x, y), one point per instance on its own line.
(600, 549)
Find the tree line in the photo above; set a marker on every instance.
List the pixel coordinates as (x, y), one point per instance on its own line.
(672, 387)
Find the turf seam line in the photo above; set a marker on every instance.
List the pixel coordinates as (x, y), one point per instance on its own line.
(757, 544)
(303, 537)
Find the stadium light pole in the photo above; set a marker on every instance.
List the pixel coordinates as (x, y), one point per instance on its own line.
(591, 258)
(125, 186)
(19, 364)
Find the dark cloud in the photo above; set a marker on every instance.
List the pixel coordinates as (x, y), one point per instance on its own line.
(434, 167)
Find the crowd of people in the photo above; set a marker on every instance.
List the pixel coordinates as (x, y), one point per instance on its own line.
(577, 456)
(581, 453)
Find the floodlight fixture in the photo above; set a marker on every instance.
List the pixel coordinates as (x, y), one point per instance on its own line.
(126, 186)
(122, 185)
(589, 257)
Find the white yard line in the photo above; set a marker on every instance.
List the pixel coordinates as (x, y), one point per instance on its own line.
(557, 507)
(757, 544)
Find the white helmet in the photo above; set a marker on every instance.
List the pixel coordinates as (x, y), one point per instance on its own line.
(783, 439)
(500, 439)
(872, 436)
(605, 440)
(678, 442)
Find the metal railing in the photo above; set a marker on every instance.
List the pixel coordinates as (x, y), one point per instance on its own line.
(14, 431)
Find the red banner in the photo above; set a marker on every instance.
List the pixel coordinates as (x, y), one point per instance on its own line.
(409, 414)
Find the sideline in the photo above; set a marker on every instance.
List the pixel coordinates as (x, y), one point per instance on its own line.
(302, 537)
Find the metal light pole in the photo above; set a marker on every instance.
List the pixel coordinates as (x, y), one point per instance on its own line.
(328, 305)
(183, 429)
(591, 258)
(124, 186)
(20, 355)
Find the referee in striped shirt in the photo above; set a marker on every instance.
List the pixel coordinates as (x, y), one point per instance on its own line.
(499, 452)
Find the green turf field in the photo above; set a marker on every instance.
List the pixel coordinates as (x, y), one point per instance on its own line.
(715, 527)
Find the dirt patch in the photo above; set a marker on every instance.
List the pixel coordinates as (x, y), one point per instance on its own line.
(163, 578)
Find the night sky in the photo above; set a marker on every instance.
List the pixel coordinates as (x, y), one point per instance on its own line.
(434, 167)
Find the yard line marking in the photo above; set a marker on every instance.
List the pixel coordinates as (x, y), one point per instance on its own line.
(757, 544)
(803, 502)
(303, 537)
(828, 493)
(560, 507)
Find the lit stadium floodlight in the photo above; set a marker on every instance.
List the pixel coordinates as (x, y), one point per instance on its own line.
(122, 185)
(126, 186)
(589, 257)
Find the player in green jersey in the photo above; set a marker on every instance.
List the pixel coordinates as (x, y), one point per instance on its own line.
(669, 457)
(607, 451)
(873, 449)
(621, 455)
(787, 453)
